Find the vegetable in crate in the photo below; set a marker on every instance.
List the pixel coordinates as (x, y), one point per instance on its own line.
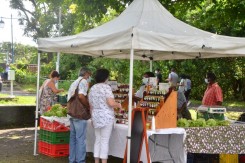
(193, 123)
(56, 110)
(182, 122)
(56, 107)
(223, 123)
(211, 122)
(200, 122)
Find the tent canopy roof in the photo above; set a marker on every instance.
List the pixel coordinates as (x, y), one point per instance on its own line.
(148, 28)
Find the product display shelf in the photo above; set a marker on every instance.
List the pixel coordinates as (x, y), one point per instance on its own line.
(121, 96)
(152, 100)
(121, 93)
(165, 112)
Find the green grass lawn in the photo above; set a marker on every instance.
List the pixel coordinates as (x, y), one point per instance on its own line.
(29, 87)
(233, 104)
(18, 100)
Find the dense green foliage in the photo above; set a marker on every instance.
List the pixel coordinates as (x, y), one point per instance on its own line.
(224, 17)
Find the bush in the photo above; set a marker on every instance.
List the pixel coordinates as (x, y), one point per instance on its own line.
(65, 84)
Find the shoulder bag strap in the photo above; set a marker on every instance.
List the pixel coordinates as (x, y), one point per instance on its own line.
(76, 91)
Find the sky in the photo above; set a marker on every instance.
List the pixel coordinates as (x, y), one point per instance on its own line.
(5, 33)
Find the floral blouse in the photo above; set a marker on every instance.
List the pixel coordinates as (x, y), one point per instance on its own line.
(102, 113)
(47, 98)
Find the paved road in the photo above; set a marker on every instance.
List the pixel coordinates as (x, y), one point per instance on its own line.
(18, 93)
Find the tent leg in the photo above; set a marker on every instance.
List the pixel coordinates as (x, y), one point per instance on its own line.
(37, 103)
(58, 54)
(130, 103)
(58, 67)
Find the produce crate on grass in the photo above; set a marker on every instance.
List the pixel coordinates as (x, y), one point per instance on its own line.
(53, 150)
(53, 126)
(54, 137)
(207, 115)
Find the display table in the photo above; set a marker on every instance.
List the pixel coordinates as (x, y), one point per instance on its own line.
(216, 140)
(164, 144)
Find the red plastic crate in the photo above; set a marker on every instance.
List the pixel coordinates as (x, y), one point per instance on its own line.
(53, 150)
(52, 126)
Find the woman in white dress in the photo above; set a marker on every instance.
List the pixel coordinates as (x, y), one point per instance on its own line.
(102, 104)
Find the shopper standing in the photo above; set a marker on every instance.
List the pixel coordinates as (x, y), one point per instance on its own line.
(183, 83)
(159, 76)
(145, 81)
(213, 94)
(102, 105)
(188, 91)
(173, 78)
(48, 92)
(78, 127)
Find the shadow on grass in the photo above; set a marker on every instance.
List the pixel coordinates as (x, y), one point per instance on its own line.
(17, 145)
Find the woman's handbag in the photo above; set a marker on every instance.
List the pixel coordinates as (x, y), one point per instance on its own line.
(76, 109)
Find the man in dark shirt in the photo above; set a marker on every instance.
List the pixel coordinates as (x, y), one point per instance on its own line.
(159, 76)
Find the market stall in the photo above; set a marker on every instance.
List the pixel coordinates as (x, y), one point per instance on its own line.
(145, 29)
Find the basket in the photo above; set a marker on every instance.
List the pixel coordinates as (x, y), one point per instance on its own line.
(54, 137)
(53, 150)
(52, 126)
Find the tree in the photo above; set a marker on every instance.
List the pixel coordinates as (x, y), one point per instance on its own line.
(218, 16)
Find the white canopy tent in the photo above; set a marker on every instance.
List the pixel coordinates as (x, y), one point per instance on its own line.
(148, 28)
(144, 30)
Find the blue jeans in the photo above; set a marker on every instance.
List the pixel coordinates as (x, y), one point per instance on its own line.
(78, 130)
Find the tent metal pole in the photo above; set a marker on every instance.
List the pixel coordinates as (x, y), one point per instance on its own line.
(37, 103)
(150, 65)
(58, 54)
(130, 102)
